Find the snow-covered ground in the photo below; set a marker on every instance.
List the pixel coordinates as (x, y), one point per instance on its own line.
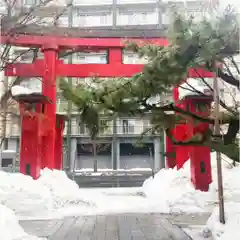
(53, 195)
(176, 191)
(10, 228)
(178, 195)
(230, 230)
(52, 191)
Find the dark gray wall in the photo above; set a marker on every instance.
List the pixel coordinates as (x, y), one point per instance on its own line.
(87, 162)
(136, 161)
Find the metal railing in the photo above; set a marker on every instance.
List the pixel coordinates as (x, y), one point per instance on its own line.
(83, 132)
(108, 131)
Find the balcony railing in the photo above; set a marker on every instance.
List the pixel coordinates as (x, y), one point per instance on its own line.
(77, 131)
(120, 130)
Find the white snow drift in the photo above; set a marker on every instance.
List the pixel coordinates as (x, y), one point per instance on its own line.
(20, 90)
(28, 197)
(170, 191)
(10, 228)
(174, 192)
(229, 230)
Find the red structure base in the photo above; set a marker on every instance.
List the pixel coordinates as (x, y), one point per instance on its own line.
(30, 155)
(201, 175)
(199, 155)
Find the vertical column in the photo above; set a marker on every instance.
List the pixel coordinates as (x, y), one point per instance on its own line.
(159, 11)
(201, 174)
(49, 90)
(116, 154)
(157, 157)
(73, 159)
(30, 153)
(114, 144)
(115, 55)
(114, 13)
(12, 144)
(58, 163)
(201, 167)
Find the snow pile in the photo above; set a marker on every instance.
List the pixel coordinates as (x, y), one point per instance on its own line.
(184, 89)
(28, 197)
(24, 195)
(172, 191)
(10, 228)
(20, 90)
(230, 230)
(63, 191)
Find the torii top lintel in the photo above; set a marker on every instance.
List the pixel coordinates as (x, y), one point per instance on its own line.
(66, 38)
(71, 43)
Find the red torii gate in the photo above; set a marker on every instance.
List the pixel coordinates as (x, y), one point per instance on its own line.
(45, 153)
(39, 145)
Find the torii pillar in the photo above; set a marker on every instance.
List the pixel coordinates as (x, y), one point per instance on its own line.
(49, 90)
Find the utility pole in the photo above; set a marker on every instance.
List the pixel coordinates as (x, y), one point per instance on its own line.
(218, 154)
(69, 110)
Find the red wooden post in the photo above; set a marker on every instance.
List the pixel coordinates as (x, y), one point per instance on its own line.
(30, 154)
(200, 156)
(182, 133)
(49, 90)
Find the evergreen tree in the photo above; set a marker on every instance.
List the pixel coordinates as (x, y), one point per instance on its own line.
(192, 44)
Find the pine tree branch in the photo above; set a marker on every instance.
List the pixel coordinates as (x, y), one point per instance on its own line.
(228, 79)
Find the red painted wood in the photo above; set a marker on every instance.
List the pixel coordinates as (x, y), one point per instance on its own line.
(78, 43)
(115, 69)
(30, 154)
(49, 90)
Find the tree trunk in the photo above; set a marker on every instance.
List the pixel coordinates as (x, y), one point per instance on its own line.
(94, 145)
(3, 116)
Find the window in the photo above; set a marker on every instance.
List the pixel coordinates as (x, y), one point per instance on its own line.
(127, 126)
(82, 128)
(78, 81)
(201, 107)
(87, 19)
(130, 58)
(5, 143)
(29, 3)
(80, 58)
(143, 17)
(103, 19)
(25, 57)
(102, 59)
(103, 125)
(131, 17)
